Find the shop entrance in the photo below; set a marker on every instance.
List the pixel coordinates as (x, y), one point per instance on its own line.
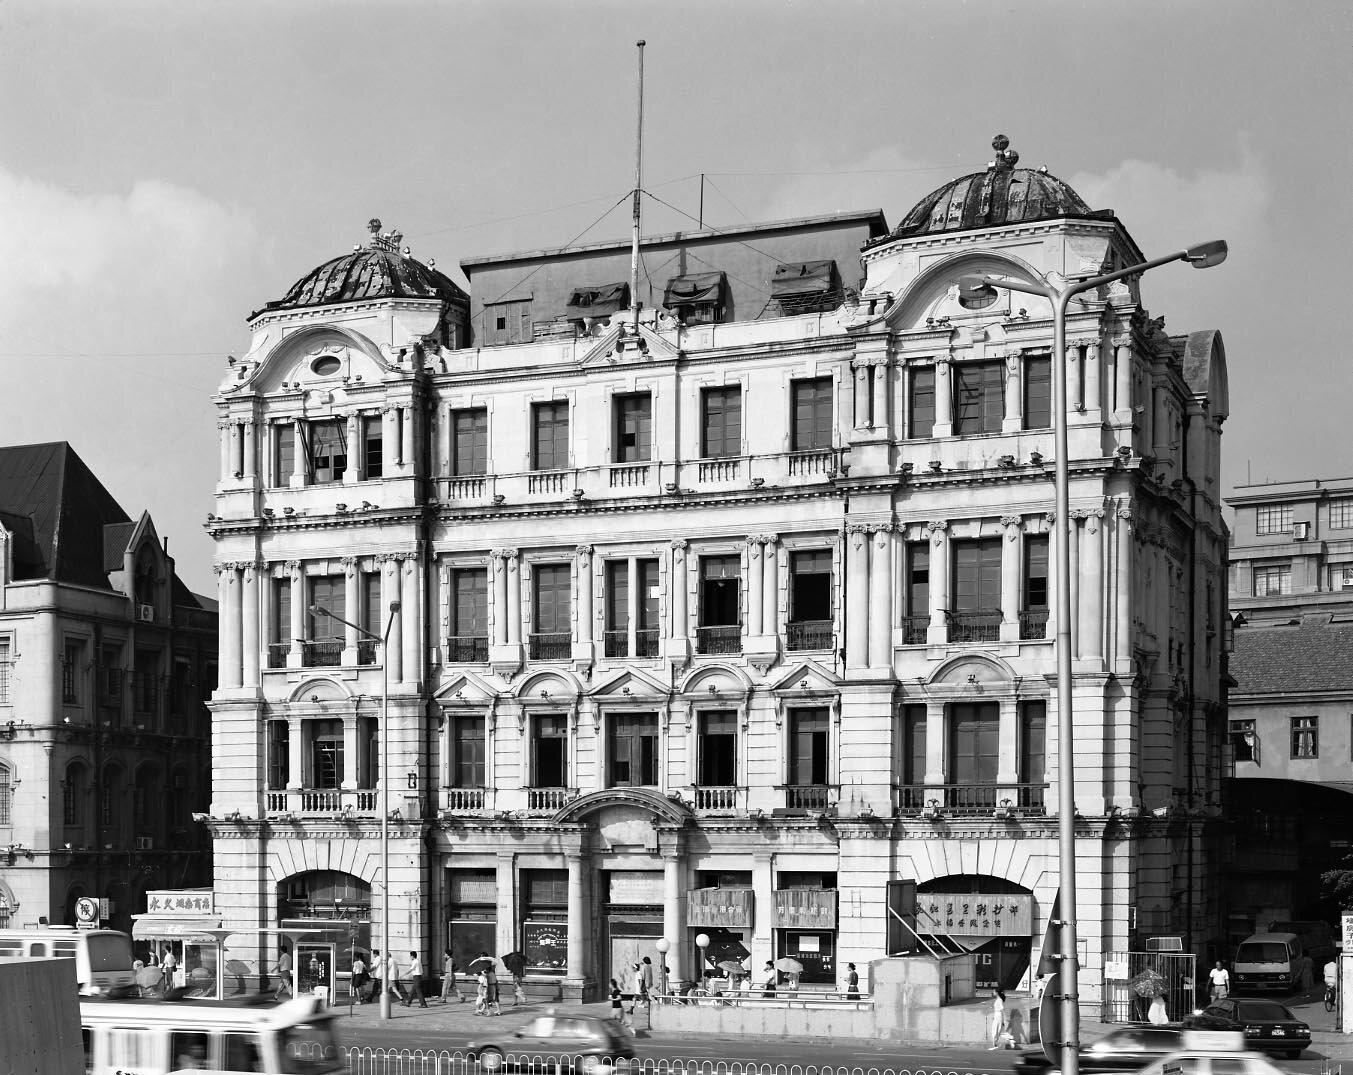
(315, 964)
(632, 919)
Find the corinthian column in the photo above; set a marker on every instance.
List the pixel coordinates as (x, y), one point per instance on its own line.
(857, 599)
(410, 618)
(1092, 593)
(1093, 399)
(391, 588)
(937, 533)
(755, 581)
(881, 599)
(1011, 575)
(249, 625)
(232, 620)
(577, 921)
(770, 585)
(585, 618)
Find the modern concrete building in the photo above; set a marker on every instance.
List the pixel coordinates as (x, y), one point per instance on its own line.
(106, 662)
(728, 619)
(1291, 709)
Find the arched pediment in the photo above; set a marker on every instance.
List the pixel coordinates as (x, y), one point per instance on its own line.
(721, 679)
(971, 668)
(551, 685)
(645, 799)
(933, 294)
(320, 689)
(327, 362)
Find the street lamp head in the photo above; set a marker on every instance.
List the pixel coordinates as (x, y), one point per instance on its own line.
(394, 606)
(1205, 255)
(975, 292)
(320, 610)
(663, 945)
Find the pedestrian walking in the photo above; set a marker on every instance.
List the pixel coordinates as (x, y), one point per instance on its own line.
(494, 1004)
(392, 976)
(481, 997)
(168, 964)
(518, 987)
(359, 979)
(647, 968)
(414, 977)
(997, 1019)
(1219, 982)
(617, 1003)
(852, 982)
(449, 985)
(283, 973)
(640, 994)
(770, 974)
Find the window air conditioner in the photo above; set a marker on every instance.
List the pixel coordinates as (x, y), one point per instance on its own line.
(145, 613)
(145, 843)
(1300, 531)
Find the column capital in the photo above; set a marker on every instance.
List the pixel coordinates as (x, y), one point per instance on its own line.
(349, 565)
(293, 567)
(937, 525)
(503, 554)
(1012, 360)
(583, 552)
(1012, 521)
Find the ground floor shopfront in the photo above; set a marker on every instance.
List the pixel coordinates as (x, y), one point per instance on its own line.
(626, 876)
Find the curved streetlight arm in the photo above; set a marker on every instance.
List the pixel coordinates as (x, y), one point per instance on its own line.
(320, 610)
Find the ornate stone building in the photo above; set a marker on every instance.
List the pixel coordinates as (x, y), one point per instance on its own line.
(722, 617)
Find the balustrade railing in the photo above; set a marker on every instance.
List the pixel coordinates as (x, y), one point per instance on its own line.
(810, 796)
(723, 639)
(465, 488)
(546, 481)
(322, 654)
(810, 635)
(914, 630)
(277, 654)
(627, 476)
(716, 798)
(551, 646)
(719, 470)
(463, 798)
(549, 798)
(824, 462)
(1033, 623)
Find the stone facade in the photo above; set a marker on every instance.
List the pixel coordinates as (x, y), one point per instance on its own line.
(716, 629)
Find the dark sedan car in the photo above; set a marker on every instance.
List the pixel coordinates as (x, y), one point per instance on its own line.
(579, 1041)
(1266, 1024)
(1124, 1049)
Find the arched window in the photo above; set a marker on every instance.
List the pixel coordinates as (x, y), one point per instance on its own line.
(6, 790)
(7, 905)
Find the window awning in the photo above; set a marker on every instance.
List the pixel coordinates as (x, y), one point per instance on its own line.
(803, 278)
(148, 927)
(600, 301)
(693, 288)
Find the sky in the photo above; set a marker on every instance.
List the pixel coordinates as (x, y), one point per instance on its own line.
(169, 166)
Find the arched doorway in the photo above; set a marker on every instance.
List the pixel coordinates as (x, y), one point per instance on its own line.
(990, 916)
(336, 908)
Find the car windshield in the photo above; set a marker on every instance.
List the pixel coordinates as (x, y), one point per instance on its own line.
(310, 1049)
(1261, 952)
(1263, 1009)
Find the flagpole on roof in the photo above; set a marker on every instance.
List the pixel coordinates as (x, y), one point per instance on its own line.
(638, 188)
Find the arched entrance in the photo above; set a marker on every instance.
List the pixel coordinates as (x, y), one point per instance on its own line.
(335, 908)
(990, 916)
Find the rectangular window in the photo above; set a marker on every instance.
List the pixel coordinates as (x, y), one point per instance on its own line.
(549, 752)
(72, 792)
(508, 322)
(721, 422)
(467, 763)
(1033, 615)
(921, 419)
(6, 668)
(326, 753)
(1341, 577)
(1244, 741)
(470, 441)
(1273, 519)
(549, 435)
(371, 619)
(808, 746)
(976, 612)
(1038, 392)
(913, 747)
(634, 750)
(811, 429)
(719, 627)
(279, 630)
(6, 788)
(324, 644)
(284, 458)
(279, 755)
(72, 672)
(718, 748)
(327, 451)
(979, 397)
(1272, 580)
(1305, 737)
(551, 637)
(469, 615)
(810, 600)
(373, 447)
(1033, 743)
(973, 744)
(633, 428)
(617, 608)
(916, 593)
(1341, 514)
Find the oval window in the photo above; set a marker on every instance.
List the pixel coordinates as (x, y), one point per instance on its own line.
(326, 366)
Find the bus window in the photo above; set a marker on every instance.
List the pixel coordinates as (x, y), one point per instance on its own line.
(242, 1053)
(310, 1049)
(109, 951)
(88, 1036)
(189, 1050)
(63, 949)
(11, 948)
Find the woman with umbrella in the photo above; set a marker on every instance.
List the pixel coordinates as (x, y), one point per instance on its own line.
(792, 967)
(515, 962)
(486, 1003)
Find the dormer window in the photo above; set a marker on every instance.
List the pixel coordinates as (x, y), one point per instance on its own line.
(806, 287)
(696, 298)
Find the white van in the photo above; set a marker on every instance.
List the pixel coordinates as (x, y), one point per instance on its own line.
(157, 1037)
(103, 957)
(1266, 962)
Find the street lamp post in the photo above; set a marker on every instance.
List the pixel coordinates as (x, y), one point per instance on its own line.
(383, 639)
(1203, 256)
(663, 945)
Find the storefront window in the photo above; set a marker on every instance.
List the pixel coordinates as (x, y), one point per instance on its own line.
(545, 920)
(473, 926)
(815, 950)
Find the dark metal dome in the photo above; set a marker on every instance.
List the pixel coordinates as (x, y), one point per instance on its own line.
(1003, 194)
(379, 270)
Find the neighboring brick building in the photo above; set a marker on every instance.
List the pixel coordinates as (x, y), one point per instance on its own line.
(106, 662)
(719, 617)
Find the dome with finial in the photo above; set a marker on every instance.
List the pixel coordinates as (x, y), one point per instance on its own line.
(1002, 194)
(378, 270)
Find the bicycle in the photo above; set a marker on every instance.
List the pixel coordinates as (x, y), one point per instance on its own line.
(1331, 997)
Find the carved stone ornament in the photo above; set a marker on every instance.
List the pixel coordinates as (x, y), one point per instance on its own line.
(1011, 520)
(937, 524)
(679, 546)
(583, 552)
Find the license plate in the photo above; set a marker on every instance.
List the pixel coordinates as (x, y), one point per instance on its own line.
(1279, 1032)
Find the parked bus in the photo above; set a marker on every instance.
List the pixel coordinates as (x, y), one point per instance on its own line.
(155, 1037)
(103, 957)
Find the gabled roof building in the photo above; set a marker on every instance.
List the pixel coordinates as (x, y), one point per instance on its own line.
(723, 609)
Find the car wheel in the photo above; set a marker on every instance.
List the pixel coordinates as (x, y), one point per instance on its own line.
(491, 1059)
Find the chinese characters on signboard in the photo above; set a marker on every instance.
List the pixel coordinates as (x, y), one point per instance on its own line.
(188, 901)
(971, 915)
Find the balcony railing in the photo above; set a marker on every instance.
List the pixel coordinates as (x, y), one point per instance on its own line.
(810, 635)
(467, 648)
(465, 488)
(277, 654)
(549, 798)
(1033, 623)
(823, 462)
(719, 470)
(713, 799)
(722, 639)
(327, 653)
(319, 802)
(976, 626)
(618, 643)
(914, 629)
(551, 646)
(545, 481)
(971, 800)
(463, 798)
(366, 650)
(810, 796)
(623, 477)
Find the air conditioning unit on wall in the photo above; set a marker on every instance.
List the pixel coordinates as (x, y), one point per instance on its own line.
(145, 843)
(1301, 531)
(145, 613)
